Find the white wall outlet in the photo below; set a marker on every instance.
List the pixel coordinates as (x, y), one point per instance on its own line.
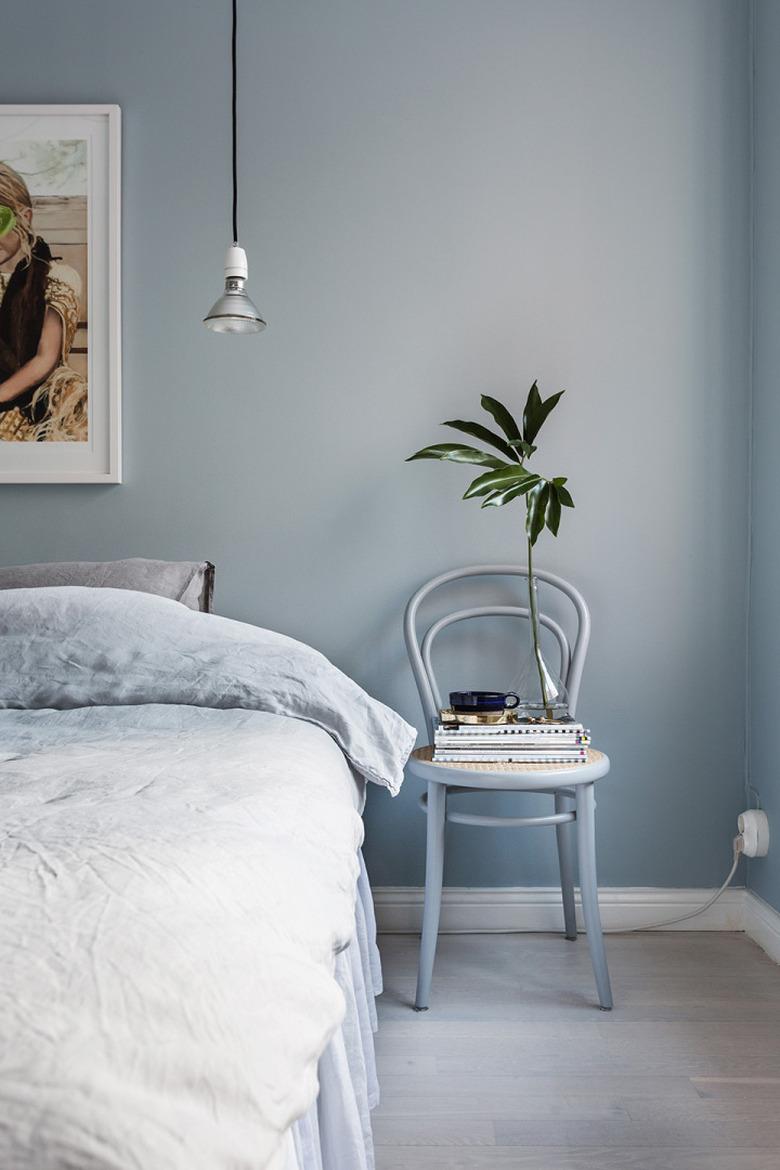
(754, 830)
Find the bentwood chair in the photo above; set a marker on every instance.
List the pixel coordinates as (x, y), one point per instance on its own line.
(570, 785)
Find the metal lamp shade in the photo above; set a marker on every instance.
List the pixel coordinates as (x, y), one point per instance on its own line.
(234, 311)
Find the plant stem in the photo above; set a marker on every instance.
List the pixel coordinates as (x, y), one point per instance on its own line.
(534, 617)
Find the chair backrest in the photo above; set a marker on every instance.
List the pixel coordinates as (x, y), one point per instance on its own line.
(419, 648)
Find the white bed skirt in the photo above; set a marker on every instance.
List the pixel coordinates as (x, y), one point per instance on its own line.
(335, 1134)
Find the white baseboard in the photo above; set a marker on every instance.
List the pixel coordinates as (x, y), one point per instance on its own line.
(762, 924)
(530, 908)
(533, 908)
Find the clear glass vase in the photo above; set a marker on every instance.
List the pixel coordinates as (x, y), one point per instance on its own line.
(542, 691)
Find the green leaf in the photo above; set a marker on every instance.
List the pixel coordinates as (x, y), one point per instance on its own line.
(502, 477)
(536, 412)
(7, 220)
(564, 495)
(472, 455)
(497, 498)
(549, 405)
(537, 505)
(457, 453)
(477, 431)
(501, 415)
(525, 449)
(530, 411)
(552, 514)
(437, 451)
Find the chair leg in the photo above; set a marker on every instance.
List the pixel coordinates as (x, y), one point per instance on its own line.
(434, 873)
(586, 842)
(565, 837)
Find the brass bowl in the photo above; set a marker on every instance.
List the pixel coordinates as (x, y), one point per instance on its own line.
(450, 716)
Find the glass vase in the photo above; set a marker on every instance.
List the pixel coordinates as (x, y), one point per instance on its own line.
(542, 691)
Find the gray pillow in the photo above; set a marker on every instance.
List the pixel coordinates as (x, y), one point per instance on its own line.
(66, 648)
(190, 582)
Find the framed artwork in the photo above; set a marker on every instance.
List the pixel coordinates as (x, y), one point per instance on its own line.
(60, 339)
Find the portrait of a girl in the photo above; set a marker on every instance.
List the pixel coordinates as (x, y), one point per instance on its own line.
(42, 399)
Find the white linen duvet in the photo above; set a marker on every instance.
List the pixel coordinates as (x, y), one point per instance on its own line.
(175, 878)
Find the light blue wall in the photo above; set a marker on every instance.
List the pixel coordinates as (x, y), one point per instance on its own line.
(440, 197)
(764, 875)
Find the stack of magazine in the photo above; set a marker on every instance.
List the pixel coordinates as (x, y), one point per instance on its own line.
(510, 743)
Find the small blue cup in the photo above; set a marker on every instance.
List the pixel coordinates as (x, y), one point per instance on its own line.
(471, 702)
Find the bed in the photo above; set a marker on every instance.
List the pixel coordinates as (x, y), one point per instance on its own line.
(187, 954)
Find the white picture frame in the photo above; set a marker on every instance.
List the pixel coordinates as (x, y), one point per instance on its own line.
(93, 132)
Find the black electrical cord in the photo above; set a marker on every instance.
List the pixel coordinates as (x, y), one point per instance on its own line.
(234, 118)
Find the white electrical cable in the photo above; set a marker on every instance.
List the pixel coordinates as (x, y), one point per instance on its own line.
(691, 913)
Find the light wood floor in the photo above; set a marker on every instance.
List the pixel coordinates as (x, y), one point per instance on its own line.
(515, 1066)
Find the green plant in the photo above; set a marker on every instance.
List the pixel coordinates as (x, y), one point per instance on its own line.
(508, 479)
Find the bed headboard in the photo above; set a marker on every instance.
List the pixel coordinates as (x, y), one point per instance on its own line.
(190, 582)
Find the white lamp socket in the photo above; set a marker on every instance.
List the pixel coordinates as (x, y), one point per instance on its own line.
(754, 830)
(235, 262)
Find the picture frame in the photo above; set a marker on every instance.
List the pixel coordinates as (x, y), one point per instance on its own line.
(60, 192)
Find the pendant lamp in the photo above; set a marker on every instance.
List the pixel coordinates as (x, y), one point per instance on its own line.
(234, 311)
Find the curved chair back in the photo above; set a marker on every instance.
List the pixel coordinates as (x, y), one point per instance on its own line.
(419, 649)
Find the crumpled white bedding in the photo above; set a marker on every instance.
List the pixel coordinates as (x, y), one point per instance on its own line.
(174, 882)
